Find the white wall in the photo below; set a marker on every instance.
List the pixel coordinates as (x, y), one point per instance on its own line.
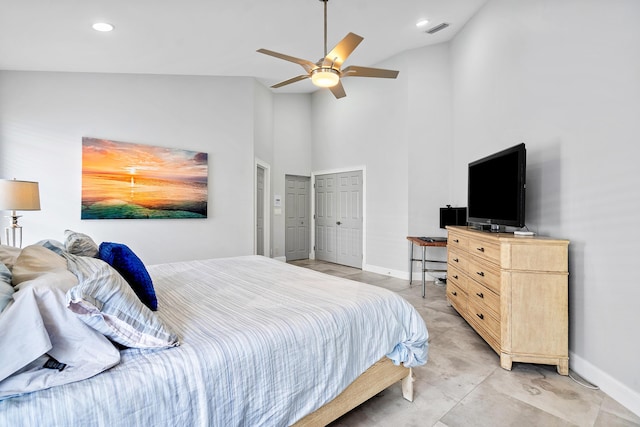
(357, 131)
(564, 77)
(400, 130)
(429, 139)
(292, 153)
(43, 117)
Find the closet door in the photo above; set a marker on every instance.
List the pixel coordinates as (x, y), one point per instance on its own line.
(349, 224)
(339, 218)
(325, 217)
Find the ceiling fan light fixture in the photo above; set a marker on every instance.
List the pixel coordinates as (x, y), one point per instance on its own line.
(325, 77)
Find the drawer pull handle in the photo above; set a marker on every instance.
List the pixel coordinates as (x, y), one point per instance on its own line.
(455, 260)
(481, 316)
(480, 273)
(455, 276)
(480, 249)
(480, 294)
(456, 241)
(454, 293)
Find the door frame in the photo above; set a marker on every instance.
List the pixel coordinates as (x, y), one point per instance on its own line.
(363, 169)
(267, 204)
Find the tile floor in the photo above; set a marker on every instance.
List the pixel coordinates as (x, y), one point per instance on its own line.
(463, 385)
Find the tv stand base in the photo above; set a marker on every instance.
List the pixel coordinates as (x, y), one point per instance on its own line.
(491, 228)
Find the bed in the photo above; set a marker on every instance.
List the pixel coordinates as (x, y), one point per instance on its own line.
(243, 341)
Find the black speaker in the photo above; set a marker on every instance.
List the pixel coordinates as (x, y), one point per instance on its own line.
(453, 216)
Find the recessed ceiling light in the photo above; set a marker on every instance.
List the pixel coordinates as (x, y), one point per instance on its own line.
(102, 26)
(422, 23)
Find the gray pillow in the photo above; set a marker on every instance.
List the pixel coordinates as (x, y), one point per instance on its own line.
(80, 244)
(53, 245)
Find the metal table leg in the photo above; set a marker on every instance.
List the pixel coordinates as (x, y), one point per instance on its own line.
(410, 262)
(424, 259)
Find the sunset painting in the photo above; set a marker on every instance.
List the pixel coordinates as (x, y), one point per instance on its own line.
(125, 180)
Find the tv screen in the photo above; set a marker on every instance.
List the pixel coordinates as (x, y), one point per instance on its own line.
(496, 192)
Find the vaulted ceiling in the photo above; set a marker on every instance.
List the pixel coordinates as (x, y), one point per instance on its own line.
(214, 38)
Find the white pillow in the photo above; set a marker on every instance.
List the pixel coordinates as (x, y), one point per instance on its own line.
(106, 302)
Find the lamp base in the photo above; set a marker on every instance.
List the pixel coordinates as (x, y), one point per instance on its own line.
(13, 233)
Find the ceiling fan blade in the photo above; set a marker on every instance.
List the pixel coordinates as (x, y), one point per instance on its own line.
(338, 90)
(307, 65)
(355, 71)
(292, 80)
(341, 52)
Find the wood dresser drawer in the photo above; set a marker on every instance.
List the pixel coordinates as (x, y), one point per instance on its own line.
(456, 277)
(457, 259)
(485, 250)
(457, 241)
(484, 297)
(483, 318)
(484, 273)
(457, 297)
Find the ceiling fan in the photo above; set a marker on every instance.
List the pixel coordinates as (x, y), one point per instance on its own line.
(327, 72)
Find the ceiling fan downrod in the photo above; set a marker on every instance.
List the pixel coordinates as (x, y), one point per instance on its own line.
(325, 26)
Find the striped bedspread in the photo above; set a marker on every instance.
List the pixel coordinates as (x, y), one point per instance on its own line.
(263, 343)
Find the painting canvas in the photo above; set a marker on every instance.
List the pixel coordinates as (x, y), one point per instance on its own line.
(126, 180)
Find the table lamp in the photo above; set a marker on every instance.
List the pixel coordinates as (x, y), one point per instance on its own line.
(18, 196)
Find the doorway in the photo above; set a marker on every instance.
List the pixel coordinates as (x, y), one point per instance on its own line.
(339, 218)
(297, 212)
(259, 211)
(262, 242)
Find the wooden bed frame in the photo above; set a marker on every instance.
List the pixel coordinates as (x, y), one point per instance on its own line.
(378, 377)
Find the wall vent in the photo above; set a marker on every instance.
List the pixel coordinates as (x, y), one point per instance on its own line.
(437, 28)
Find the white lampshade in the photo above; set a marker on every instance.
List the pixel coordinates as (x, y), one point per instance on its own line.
(19, 195)
(325, 77)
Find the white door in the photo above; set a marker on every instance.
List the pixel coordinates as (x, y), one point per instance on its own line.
(349, 224)
(325, 217)
(297, 208)
(339, 218)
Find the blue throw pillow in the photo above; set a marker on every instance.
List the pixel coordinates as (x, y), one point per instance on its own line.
(131, 268)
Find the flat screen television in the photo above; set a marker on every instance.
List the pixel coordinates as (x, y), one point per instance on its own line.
(496, 191)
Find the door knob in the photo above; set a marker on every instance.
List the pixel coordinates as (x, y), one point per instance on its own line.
(338, 222)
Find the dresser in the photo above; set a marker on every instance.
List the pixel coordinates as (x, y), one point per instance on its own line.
(513, 290)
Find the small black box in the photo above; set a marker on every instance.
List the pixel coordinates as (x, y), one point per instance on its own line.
(453, 216)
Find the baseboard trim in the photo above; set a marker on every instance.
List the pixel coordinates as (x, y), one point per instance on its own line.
(627, 397)
(386, 271)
